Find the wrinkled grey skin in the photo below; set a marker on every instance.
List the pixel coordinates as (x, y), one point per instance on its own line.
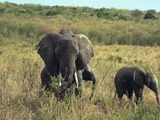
(129, 79)
(65, 54)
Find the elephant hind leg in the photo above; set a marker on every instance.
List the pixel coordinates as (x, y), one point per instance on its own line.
(120, 95)
(130, 93)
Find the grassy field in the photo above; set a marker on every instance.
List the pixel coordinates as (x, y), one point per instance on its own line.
(21, 28)
(20, 67)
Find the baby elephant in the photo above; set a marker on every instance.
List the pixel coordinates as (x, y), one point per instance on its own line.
(129, 79)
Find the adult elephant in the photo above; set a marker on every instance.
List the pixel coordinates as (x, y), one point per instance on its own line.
(67, 55)
(129, 79)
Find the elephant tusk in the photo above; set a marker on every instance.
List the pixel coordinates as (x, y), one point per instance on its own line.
(60, 83)
(60, 80)
(76, 79)
(151, 70)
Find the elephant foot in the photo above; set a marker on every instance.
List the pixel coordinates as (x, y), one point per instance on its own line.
(78, 92)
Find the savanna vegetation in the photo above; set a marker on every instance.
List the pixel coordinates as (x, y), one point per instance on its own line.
(120, 38)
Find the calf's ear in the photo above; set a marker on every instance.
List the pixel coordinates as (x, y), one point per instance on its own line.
(139, 77)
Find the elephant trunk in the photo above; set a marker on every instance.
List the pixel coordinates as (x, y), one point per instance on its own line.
(157, 96)
(153, 85)
(67, 74)
(157, 89)
(68, 70)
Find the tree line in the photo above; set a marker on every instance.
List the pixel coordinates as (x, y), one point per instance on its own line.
(105, 13)
(102, 26)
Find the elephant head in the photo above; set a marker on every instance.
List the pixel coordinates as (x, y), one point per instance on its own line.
(65, 54)
(66, 32)
(149, 79)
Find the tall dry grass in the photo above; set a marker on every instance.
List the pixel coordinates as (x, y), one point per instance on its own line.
(20, 67)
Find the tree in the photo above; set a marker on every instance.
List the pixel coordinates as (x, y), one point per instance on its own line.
(136, 13)
(150, 14)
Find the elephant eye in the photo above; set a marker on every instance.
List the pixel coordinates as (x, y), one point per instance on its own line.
(57, 56)
(77, 55)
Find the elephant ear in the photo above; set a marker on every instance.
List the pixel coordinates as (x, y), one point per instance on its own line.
(85, 51)
(139, 76)
(46, 49)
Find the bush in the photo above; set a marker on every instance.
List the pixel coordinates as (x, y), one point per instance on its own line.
(150, 14)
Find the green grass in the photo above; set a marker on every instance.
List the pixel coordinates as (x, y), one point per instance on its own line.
(20, 86)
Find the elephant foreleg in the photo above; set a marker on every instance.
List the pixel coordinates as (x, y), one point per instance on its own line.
(78, 90)
(45, 80)
(138, 94)
(120, 96)
(89, 76)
